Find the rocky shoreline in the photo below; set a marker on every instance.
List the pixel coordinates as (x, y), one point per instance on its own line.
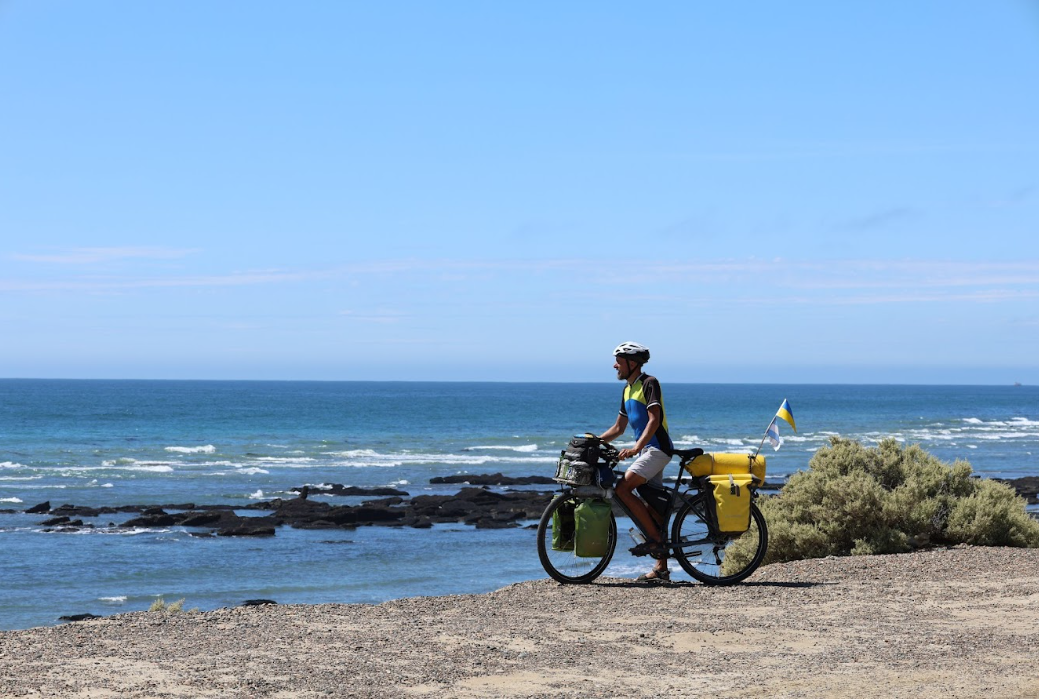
(477, 505)
(958, 622)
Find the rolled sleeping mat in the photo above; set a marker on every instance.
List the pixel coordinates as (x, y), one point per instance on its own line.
(722, 464)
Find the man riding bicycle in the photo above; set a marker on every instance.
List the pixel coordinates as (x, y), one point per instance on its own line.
(642, 406)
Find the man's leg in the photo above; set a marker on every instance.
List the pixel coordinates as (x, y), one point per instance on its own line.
(626, 492)
(648, 466)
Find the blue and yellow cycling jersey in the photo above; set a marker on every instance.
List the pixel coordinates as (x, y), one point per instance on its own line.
(638, 397)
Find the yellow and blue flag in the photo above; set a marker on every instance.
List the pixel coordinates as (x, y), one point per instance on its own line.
(787, 414)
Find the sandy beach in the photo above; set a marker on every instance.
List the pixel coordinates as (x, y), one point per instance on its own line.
(961, 622)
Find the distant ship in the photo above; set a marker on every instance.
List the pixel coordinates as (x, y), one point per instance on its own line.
(1017, 383)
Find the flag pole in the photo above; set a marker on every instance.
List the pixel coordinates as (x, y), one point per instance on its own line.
(763, 438)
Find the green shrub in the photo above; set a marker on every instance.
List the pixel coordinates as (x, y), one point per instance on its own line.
(856, 500)
(160, 605)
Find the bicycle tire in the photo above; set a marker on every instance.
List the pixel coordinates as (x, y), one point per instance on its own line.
(706, 559)
(565, 566)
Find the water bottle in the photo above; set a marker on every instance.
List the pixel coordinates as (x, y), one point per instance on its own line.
(636, 536)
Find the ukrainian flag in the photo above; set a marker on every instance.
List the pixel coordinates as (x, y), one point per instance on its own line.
(787, 414)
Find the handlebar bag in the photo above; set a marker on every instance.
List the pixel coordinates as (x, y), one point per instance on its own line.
(732, 501)
(583, 448)
(563, 527)
(592, 529)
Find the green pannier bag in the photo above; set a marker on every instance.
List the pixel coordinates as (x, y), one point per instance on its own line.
(592, 529)
(563, 527)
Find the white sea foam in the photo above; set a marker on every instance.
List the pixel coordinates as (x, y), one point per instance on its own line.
(363, 458)
(973, 421)
(12, 464)
(258, 495)
(15, 500)
(251, 471)
(206, 449)
(284, 460)
(123, 465)
(521, 448)
(136, 531)
(118, 599)
(150, 468)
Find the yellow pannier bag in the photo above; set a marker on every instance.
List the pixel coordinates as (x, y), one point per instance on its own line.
(724, 464)
(732, 501)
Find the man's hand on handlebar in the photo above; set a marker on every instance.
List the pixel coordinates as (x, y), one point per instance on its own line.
(626, 454)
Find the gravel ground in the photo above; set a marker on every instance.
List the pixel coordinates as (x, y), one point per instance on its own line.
(961, 622)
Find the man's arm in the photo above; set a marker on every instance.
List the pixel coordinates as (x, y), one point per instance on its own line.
(617, 430)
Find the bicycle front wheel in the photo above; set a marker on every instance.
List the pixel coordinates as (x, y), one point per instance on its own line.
(564, 565)
(715, 559)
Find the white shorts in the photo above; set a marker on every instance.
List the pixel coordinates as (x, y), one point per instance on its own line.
(650, 464)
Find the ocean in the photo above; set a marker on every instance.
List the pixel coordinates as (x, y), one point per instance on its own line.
(111, 443)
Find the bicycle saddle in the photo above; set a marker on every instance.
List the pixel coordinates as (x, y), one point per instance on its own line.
(688, 454)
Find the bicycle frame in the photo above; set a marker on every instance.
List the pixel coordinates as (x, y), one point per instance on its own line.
(677, 498)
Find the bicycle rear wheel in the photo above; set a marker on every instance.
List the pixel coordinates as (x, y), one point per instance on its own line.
(717, 559)
(566, 566)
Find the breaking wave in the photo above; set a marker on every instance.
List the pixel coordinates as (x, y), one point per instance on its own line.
(206, 449)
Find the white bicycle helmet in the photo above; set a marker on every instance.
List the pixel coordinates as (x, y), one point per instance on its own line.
(632, 350)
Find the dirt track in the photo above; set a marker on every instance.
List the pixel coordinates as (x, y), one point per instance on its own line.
(952, 623)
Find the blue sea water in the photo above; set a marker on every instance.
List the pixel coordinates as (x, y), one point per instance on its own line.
(111, 443)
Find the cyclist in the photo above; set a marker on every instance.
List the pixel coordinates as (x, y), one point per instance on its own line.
(642, 406)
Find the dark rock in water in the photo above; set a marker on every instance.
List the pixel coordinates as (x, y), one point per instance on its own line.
(152, 520)
(41, 509)
(346, 490)
(247, 529)
(1027, 487)
(321, 524)
(494, 524)
(384, 502)
(256, 602)
(77, 511)
(78, 617)
(202, 519)
(492, 479)
(477, 506)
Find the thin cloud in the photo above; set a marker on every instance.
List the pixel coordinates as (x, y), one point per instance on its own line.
(103, 285)
(88, 256)
(892, 276)
(382, 317)
(879, 220)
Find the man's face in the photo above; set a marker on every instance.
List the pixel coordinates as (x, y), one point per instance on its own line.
(623, 367)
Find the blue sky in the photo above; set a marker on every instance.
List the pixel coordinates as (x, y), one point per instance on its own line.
(784, 192)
